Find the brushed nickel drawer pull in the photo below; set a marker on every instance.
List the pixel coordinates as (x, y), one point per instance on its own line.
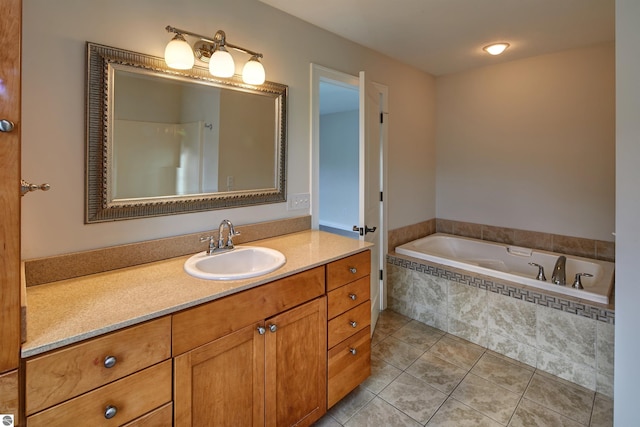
(110, 361)
(353, 351)
(353, 270)
(261, 330)
(273, 328)
(353, 324)
(353, 296)
(110, 412)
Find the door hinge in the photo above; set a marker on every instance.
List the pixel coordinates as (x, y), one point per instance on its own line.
(381, 275)
(381, 198)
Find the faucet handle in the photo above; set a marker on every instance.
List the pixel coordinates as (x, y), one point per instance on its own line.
(212, 243)
(577, 283)
(540, 275)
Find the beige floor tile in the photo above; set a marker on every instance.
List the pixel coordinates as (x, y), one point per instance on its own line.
(562, 397)
(414, 397)
(502, 373)
(382, 374)
(351, 404)
(436, 372)
(457, 351)
(396, 352)
(379, 413)
(510, 360)
(418, 335)
(390, 321)
(602, 414)
(456, 414)
(377, 337)
(327, 421)
(491, 400)
(531, 414)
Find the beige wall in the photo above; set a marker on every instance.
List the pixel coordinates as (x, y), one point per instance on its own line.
(530, 144)
(53, 110)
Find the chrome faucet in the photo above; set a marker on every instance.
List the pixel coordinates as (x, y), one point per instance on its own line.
(559, 276)
(232, 232)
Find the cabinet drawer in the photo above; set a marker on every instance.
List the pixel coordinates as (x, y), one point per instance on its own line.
(347, 324)
(346, 369)
(348, 269)
(66, 373)
(197, 326)
(346, 297)
(161, 417)
(131, 397)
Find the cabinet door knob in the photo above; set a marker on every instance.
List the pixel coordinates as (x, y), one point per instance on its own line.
(110, 412)
(273, 328)
(110, 361)
(353, 270)
(353, 296)
(353, 324)
(353, 351)
(6, 125)
(261, 330)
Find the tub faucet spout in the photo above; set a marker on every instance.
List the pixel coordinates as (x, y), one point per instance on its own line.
(559, 276)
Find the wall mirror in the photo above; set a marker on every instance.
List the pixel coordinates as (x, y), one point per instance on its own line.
(162, 141)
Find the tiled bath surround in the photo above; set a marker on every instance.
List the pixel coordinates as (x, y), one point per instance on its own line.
(588, 248)
(568, 339)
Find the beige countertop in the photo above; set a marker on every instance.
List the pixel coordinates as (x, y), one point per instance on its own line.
(68, 311)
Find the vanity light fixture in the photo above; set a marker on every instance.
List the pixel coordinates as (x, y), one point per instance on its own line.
(180, 55)
(496, 48)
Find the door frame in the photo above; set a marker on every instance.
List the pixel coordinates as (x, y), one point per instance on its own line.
(319, 73)
(383, 92)
(10, 109)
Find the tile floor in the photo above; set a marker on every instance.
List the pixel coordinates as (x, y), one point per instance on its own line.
(423, 376)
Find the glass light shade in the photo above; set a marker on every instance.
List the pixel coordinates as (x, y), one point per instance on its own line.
(221, 63)
(496, 48)
(178, 54)
(253, 72)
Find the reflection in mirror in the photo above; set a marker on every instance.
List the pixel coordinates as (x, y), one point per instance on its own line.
(163, 142)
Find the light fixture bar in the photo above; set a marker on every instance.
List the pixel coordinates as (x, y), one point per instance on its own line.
(218, 40)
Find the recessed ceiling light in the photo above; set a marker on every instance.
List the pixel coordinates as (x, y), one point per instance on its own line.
(496, 48)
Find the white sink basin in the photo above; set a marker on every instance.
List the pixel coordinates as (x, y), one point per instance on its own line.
(241, 263)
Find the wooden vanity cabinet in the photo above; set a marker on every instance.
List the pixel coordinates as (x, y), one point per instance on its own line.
(267, 356)
(110, 380)
(349, 331)
(265, 359)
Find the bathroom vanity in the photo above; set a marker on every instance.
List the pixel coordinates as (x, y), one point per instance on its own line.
(276, 350)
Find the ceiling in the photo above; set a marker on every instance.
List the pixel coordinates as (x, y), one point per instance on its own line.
(446, 36)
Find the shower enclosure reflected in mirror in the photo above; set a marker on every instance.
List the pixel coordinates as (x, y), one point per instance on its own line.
(163, 142)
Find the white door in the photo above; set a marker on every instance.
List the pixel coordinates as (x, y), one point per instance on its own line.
(370, 147)
(369, 165)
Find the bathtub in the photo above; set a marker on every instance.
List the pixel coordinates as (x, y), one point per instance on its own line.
(512, 263)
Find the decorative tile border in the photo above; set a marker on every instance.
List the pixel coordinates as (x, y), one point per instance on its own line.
(581, 309)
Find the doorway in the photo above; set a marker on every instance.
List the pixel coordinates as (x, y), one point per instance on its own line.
(348, 174)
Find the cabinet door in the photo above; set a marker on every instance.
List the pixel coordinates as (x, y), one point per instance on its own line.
(9, 401)
(221, 383)
(296, 365)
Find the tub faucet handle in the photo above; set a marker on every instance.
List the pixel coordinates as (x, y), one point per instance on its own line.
(540, 275)
(577, 283)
